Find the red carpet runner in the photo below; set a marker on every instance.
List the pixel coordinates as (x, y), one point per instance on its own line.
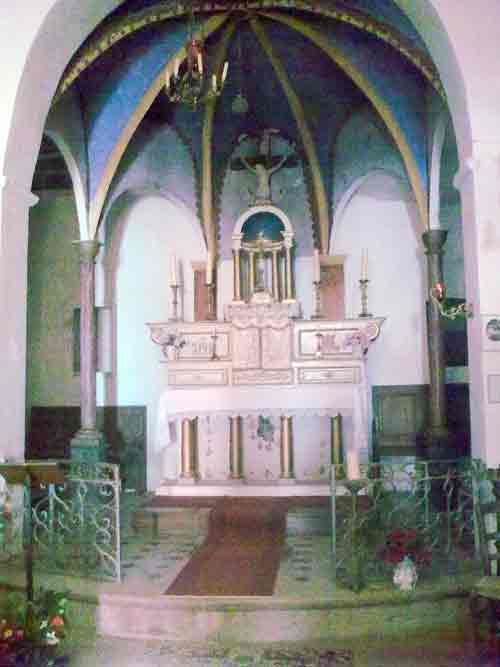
(242, 552)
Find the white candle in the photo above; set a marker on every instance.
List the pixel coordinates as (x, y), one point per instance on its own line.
(364, 264)
(317, 266)
(224, 71)
(214, 83)
(200, 64)
(353, 471)
(167, 80)
(209, 269)
(177, 64)
(173, 270)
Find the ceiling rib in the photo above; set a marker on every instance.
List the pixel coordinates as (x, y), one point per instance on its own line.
(383, 109)
(97, 204)
(320, 199)
(207, 198)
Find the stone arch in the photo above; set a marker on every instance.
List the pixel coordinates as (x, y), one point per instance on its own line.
(357, 184)
(76, 179)
(274, 210)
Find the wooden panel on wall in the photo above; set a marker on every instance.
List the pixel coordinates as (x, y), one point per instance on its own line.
(332, 291)
(400, 416)
(51, 429)
(200, 295)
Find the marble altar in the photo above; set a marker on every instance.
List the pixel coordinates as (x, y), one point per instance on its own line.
(261, 363)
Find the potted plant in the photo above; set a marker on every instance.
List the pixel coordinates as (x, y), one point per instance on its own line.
(30, 632)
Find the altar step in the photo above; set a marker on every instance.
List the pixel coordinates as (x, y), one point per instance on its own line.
(274, 488)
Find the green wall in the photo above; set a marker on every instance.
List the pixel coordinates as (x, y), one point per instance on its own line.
(53, 293)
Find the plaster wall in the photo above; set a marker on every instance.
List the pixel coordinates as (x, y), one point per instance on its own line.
(153, 229)
(53, 293)
(379, 218)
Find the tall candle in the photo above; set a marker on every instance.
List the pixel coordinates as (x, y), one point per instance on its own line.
(214, 83)
(317, 266)
(224, 71)
(173, 270)
(364, 264)
(353, 471)
(209, 269)
(200, 64)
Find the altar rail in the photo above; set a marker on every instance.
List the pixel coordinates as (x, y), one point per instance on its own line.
(425, 509)
(75, 525)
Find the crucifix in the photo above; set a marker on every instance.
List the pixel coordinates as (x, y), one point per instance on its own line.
(264, 164)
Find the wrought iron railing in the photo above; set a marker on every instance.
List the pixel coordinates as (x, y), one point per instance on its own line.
(75, 526)
(423, 509)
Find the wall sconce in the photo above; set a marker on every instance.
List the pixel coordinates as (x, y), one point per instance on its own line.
(461, 310)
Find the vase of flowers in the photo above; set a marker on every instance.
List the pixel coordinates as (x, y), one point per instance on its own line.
(31, 632)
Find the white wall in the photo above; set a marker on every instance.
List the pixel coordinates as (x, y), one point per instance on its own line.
(379, 219)
(153, 229)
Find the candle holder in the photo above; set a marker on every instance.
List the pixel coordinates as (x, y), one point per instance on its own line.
(211, 314)
(318, 301)
(175, 303)
(363, 286)
(214, 337)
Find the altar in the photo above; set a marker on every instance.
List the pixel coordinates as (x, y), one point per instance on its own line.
(263, 403)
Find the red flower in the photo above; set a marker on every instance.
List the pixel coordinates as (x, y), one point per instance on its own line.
(57, 622)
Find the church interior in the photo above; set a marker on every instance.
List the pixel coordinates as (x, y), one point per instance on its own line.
(256, 291)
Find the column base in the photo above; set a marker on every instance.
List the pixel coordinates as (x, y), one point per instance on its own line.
(88, 446)
(286, 480)
(236, 480)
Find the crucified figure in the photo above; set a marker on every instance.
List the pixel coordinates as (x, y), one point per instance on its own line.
(263, 166)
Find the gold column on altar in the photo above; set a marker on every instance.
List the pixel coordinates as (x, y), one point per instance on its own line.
(286, 450)
(251, 260)
(337, 453)
(276, 287)
(235, 448)
(288, 239)
(189, 454)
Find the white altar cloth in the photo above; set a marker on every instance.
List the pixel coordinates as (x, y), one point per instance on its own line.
(268, 401)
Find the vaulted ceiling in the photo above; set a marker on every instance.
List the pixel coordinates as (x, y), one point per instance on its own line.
(304, 68)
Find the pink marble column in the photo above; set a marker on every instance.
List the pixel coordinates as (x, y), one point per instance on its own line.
(88, 442)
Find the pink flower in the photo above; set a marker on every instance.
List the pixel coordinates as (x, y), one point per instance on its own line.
(57, 622)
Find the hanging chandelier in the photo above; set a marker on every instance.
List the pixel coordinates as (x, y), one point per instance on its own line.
(190, 83)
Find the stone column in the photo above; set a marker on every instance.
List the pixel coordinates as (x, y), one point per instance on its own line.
(276, 287)
(237, 267)
(437, 434)
(189, 454)
(237, 275)
(337, 453)
(88, 443)
(288, 267)
(251, 259)
(235, 448)
(286, 450)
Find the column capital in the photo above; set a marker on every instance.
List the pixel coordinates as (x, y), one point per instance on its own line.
(485, 156)
(88, 250)
(19, 192)
(434, 240)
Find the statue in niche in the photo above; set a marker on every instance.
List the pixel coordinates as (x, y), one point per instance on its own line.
(265, 164)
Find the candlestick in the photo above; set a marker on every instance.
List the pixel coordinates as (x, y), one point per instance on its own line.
(318, 302)
(363, 286)
(175, 304)
(214, 345)
(173, 271)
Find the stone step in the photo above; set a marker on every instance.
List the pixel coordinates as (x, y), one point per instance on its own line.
(163, 520)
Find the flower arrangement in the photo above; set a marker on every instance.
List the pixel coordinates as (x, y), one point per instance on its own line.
(30, 631)
(400, 544)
